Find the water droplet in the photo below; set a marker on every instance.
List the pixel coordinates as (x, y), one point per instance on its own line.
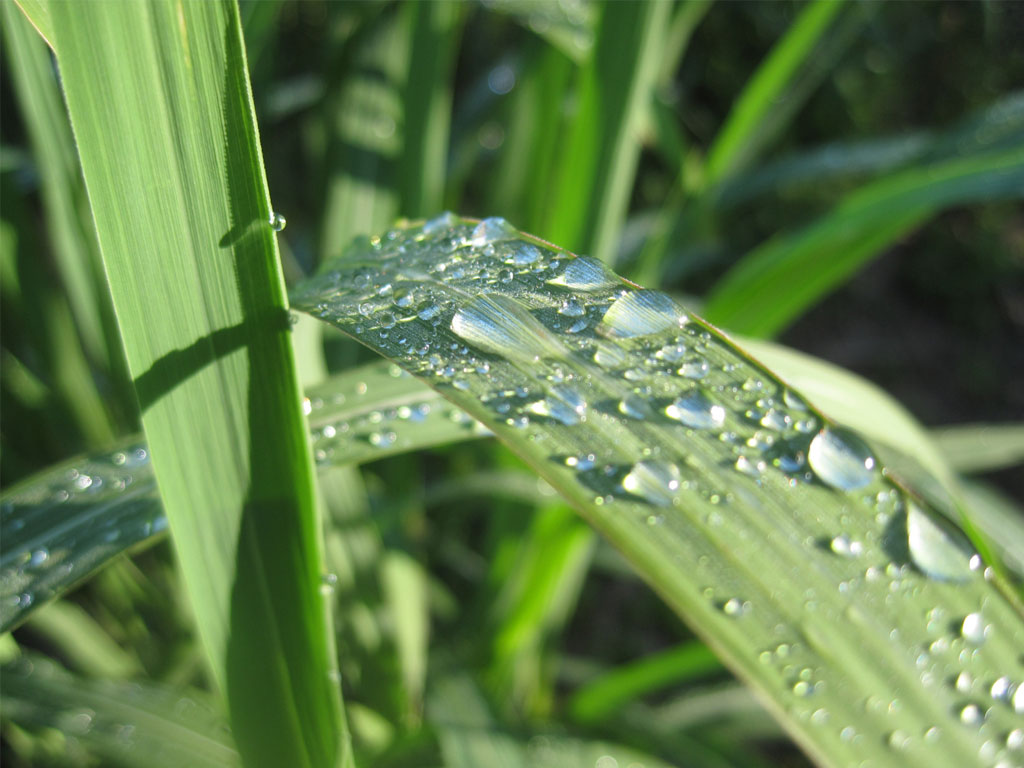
(635, 407)
(584, 274)
(841, 459)
(971, 714)
(1000, 688)
(492, 230)
(640, 313)
(735, 607)
(609, 355)
(694, 369)
(500, 324)
(654, 481)
(523, 254)
(974, 629)
(842, 545)
(1015, 739)
(934, 550)
(696, 411)
(277, 222)
(382, 439)
(748, 467)
(565, 405)
(964, 682)
(582, 463)
(572, 308)
(1018, 700)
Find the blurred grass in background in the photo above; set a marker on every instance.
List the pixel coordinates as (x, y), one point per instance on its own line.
(369, 111)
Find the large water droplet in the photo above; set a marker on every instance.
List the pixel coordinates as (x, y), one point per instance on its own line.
(439, 223)
(696, 411)
(277, 221)
(584, 274)
(500, 324)
(492, 230)
(841, 459)
(640, 313)
(654, 481)
(935, 551)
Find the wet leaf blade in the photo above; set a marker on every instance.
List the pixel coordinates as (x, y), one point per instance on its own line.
(654, 427)
(773, 284)
(63, 524)
(162, 113)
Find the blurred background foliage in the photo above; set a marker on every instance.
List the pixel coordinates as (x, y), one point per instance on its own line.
(371, 111)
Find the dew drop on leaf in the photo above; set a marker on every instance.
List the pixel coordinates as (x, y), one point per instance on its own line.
(277, 222)
(584, 274)
(695, 410)
(500, 324)
(640, 313)
(841, 459)
(934, 550)
(654, 481)
(492, 230)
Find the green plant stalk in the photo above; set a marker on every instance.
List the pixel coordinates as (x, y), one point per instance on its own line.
(162, 114)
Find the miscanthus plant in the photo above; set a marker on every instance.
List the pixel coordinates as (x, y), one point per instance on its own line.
(477, 550)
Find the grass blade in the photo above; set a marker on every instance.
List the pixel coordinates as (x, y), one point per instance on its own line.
(974, 448)
(63, 524)
(733, 143)
(768, 527)
(804, 266)
(128, 724)
(602, 147)
(162, 113)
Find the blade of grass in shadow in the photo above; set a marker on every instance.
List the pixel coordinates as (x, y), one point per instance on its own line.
(774, 283)
(601, 148)
(128, 724)
(64, 203)
(772, 530)
(162, 114)
(61, 525)
(427, 100)
(735, 143)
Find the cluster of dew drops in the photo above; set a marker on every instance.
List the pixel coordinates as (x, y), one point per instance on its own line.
(493, 290)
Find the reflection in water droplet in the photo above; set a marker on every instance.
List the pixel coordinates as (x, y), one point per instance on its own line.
(584, 274)
(973, 629)
(696, 411)
(841, 459)
(277, 222)
(934, 550)
(492, 230)
(635, 407)
(654, 481)
(640, 313)
(500, 324)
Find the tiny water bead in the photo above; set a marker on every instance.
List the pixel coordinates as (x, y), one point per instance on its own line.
(841, 459)
(641, 313)
(697, 411)
(654, 481)
(277, 222)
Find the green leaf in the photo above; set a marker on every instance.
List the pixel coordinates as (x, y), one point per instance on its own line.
(773, 284)
(774, 532)
(161, 109)
(734, 143)
(602, 148)
(127, 724)
(63, 524)
(971, 448)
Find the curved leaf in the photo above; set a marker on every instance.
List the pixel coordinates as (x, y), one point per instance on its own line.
(862, 618)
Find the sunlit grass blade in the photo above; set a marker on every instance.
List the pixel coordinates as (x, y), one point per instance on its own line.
(62, 524)
(427, 97)
(773, 531)
(162, 114)
(604, 695)
(733, 145)
(128, 724)
(774, 283)
(972, 448)
(599, 154)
